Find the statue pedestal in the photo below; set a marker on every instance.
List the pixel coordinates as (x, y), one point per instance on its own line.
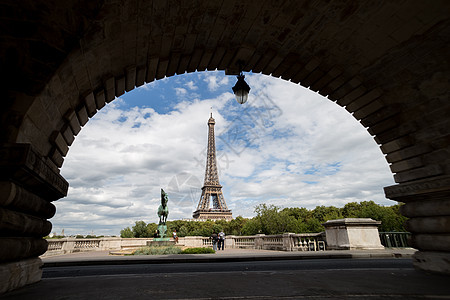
(160, 242)
(352, 233)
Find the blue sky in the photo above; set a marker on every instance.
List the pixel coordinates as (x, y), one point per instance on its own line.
(286, 146)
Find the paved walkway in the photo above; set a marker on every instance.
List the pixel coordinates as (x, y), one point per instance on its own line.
(103, 257)
(247, 274)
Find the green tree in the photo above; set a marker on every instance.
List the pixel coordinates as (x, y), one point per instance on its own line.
(140, 230)
(351, 210)
(325, 213)
(151, 229)
(251, 227)
(235, 226)
(300, 213)
(313, 225)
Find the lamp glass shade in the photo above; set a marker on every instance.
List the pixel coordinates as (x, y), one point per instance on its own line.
(241, 96)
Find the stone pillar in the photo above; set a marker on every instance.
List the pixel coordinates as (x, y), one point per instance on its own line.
(427, 205)
(259, 242)
(229, 242)
(352, 234)
(28, 185)
(288, 243)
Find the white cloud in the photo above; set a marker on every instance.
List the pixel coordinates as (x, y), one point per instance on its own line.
(214, 81)
(180, 92)
(287, 146)
(191, 85)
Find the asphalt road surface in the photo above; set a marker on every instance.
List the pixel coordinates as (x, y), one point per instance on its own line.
(276, 279)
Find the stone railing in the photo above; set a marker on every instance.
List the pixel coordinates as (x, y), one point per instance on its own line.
(70, 245)
(308, 242)
(282, 242)
(244, 242)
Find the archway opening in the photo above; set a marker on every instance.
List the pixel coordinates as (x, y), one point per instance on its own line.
(287, 146)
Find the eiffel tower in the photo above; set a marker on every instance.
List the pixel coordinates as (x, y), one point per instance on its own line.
(212, 190)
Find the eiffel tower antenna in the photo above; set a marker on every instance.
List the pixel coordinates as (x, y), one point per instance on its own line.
(212, 190)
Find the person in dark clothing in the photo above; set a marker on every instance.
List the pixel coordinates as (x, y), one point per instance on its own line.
(214, 238)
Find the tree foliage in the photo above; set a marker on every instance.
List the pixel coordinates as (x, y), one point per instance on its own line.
(271, 219)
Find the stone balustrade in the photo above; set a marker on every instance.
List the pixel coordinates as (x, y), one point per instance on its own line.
(341, 234)
(281, 242)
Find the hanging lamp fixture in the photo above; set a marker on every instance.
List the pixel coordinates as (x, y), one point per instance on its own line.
(241, 88)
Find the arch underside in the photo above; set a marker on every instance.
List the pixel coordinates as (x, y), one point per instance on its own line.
(386, 63)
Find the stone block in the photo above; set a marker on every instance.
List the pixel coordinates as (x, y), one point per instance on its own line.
(432, 261)
(215, 59)
(56, 157)
(313, 77)
(368, 109)
(431, 207)
(430, 188)
(16, 197)
(100, 99)
(72, 119)
(204, 61)
(352, 233)
(304, 72)
(195, 60)
(19, 273)
(406, 153)
(152, 66)
(67, 134)
(91, 107)
(162, 68)
(408, 164)
(346, 88)
(363, 100)
(16, 223)
(82, 115)
(183, 64)
(58, 140)
(435, 224)
(350, 97)
(110, 89)
(331, 87)
(120, 86)
(378, 116)
(397, 144)
(140, 76)
(15, 248)
(173, 64)
(431, 242)
(327, 78)
(130, 79)
(384, 125)
(419, 173)
(18, 162)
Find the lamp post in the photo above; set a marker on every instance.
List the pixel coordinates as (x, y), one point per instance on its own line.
(241, 89)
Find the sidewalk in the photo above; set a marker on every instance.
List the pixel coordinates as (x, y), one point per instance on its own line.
(227, 255)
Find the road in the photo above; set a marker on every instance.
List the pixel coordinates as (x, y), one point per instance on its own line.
(276, 279)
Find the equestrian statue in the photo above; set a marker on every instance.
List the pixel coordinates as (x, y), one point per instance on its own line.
(163, 212)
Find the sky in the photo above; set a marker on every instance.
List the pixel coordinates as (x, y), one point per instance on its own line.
(287, 146)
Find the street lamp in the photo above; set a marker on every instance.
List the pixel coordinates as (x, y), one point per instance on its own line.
(241, 89)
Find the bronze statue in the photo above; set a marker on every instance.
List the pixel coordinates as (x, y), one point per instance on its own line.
(163, 212)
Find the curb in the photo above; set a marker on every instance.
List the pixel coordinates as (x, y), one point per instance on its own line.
(208, 258)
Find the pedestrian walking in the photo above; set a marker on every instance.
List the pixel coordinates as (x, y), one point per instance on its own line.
(214, 238)
(221, 239)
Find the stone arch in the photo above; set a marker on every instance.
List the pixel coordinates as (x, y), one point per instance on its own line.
(386, 64)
